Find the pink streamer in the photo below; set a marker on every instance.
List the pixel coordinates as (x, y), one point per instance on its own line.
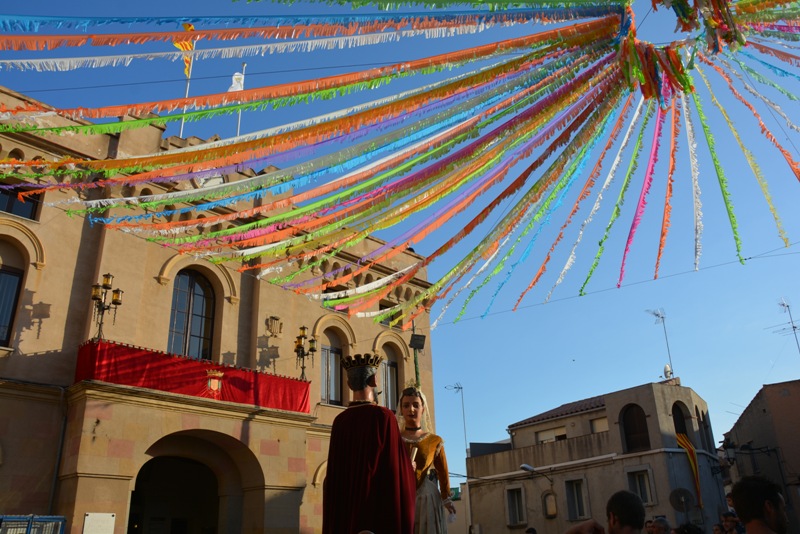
(648, 181)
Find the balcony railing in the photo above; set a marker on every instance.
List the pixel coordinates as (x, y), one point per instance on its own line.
(126, 365)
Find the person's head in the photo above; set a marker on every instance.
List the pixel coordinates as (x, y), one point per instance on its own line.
(717, 529)
(412, 409)
(530, 530)
(661, 526)
(361, 370)
(688, 528)
(729, 521)
(624, 509)
(729, 499)
(757, 499)
(648, 526)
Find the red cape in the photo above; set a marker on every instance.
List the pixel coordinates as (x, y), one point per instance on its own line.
(370, 484)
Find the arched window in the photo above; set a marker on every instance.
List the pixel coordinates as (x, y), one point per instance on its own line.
(191, 323)
(331, 379)
(389, 379)
(679, 416)
(12, 270)
(634, 428)
(700, 422)
(707, 430)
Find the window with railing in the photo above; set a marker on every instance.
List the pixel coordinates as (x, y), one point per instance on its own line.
(389, 379)
(331, 379)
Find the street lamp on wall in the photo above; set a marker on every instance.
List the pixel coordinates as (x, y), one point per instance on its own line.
(531, 469)
(101, 306)
(274, 325)
(302, 352)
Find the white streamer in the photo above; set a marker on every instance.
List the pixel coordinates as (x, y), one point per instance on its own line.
(609, 178)
(308, 45)
(695, 169)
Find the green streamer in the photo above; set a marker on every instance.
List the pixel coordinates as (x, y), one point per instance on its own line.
(633, 164)
(723, 181)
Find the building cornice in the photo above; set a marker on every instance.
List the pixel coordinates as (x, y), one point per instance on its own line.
(184, 404)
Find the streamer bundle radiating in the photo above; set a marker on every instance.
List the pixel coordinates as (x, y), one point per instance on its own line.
(481, 157)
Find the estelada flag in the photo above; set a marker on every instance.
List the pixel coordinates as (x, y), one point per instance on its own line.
(186, 46)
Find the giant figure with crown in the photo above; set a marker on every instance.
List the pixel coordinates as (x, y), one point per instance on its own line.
(370, 484)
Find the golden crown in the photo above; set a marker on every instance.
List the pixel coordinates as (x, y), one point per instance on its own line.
(361, 360)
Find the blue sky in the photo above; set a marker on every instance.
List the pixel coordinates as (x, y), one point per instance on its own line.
(722, 320)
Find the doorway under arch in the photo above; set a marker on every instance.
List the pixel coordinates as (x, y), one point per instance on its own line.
(198, 481)
(174, 495)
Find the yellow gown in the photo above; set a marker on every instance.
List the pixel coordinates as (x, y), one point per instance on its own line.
(430, 515)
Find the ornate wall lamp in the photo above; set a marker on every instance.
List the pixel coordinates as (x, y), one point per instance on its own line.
(99, 296)
(274, 325)
(300, 349)
(269, 354)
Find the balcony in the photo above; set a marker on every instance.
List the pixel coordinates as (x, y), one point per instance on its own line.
(126, 365)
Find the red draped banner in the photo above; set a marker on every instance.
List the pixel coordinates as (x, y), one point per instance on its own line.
(134, 366)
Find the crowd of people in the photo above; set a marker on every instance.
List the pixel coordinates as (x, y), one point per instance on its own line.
(383, 470)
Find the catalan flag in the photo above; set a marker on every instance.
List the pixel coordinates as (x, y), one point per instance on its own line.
(685, 444)
(186, 46)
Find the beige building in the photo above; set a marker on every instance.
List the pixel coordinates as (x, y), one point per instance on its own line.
(190, 415)
(765, 441)
(561, 466)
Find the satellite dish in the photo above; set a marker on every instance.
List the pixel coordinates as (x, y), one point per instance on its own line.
(667, 371)
(681, 499)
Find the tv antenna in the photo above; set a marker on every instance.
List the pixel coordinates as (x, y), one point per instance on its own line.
(792, 327)
(661, 317)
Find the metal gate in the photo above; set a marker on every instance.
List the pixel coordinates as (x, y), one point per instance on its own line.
(32, 524)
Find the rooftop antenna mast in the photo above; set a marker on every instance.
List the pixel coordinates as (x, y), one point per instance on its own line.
(785, 305)
(661, 317)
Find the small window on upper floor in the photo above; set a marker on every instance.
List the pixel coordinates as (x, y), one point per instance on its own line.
(336, 289)
(552, 434)
(385, 305)
(599, 425)
(28, 209)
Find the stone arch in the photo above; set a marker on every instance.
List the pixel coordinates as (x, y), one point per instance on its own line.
(217, 273)
(28, 240)
(633, 424)
(682, 420)
(240, 476)
(392, 338)
(335, 321)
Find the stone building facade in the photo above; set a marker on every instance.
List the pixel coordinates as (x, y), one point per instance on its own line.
(127, 429)
(765, 441)
(561, 466)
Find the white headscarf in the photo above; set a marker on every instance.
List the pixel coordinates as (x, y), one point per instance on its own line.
(425, 423)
